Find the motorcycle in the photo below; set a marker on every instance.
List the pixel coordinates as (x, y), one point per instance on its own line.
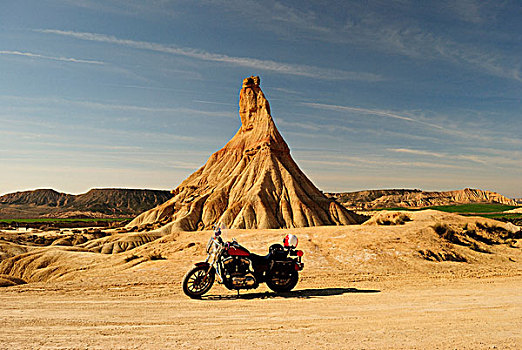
(237, 268)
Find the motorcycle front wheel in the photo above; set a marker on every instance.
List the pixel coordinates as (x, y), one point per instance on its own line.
(279, 285)
(197, 281)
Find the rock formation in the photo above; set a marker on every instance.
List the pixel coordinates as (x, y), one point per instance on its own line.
(43, 196)
(252, 182)
(378, 199)
(97, 203)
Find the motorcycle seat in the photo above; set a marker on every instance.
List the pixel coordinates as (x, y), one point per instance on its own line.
(256, 259)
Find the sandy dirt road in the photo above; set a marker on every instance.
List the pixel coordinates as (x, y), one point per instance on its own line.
(389, 314)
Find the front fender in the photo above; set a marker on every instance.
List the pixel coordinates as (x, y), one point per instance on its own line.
(202, 264)
(206, 266)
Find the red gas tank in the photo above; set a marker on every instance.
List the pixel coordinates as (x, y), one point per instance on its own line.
(237, 250)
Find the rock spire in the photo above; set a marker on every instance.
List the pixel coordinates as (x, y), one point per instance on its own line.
(252, 182)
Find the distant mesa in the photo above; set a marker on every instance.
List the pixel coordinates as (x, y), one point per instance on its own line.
(96, 203)
(403, 198)
(37, 197)
(252, 182)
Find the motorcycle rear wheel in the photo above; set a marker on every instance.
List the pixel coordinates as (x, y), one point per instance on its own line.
(197, 281)
(280, 286)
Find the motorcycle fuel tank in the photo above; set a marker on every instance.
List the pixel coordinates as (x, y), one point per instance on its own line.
(238, 251)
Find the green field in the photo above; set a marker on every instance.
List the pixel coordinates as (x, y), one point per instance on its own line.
(473, 208)
(51, 220)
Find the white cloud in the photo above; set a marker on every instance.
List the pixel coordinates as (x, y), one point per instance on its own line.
(469, 157)
(374, 112)
(138, 8)
(215, 103)
(61, 59)
(417, 152)
(51, 135)
(300, 125)
(118, 107)
(459, 133)
(389, 27)
(280, 67)
(466, 10)
(415, 42)
(379, 163)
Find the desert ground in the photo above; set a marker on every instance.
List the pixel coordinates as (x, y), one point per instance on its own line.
(394, 282)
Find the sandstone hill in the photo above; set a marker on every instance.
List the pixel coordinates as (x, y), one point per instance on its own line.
(44, 196)
(252, 182)
(98, 203)
(403, 198)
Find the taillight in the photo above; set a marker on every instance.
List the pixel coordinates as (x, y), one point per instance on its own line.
(299, 253)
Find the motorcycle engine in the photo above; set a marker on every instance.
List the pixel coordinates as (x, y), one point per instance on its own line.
(236, 266)
(237, 270)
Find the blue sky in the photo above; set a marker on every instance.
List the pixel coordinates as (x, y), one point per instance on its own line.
(368, 94)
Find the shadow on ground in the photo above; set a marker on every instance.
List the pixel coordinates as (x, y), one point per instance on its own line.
(303, 294)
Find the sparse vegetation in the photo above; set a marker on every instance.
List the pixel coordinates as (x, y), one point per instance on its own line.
(395, 219)
(449, 234)
(474, 246)
(487, 210)
(477, 238)
(442, 256)
(473, 208)
(132, 257)
(462, 208)
(499, 231)
(156, 256)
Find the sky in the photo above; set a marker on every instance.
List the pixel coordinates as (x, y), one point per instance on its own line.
(368, 94)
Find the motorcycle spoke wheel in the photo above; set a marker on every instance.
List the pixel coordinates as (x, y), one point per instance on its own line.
(279, 285)
(198, 281)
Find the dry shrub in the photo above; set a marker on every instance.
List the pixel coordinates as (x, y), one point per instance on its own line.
(442, 256)
(393, 219)
(498, 231)
(477, 238)
(474, 246)
(449, 234)
(132, 257)
(156, 256)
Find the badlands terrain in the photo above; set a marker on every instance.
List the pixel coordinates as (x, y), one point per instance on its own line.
(398, 280)
(124, 203)
(404, 198)
(96, 203)
(402, 280)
